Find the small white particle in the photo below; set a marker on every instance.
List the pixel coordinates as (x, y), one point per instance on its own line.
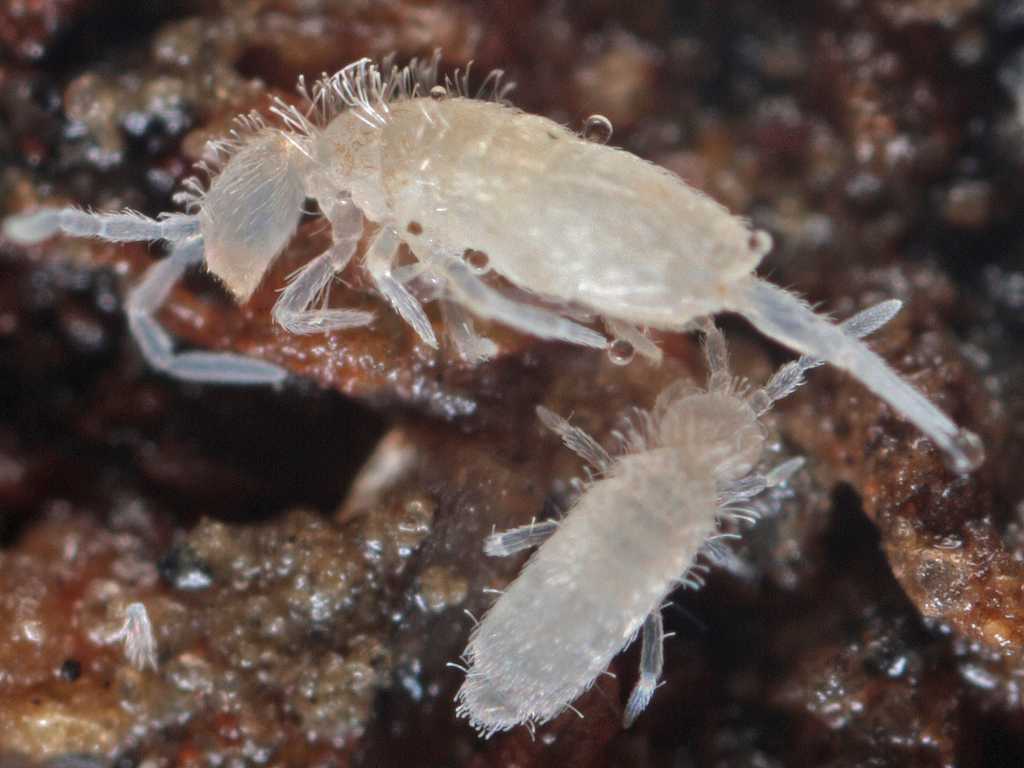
(137, 634)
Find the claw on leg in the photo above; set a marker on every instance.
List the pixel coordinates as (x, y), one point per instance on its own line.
(157, 346)
(380, 262)
(652, 658)
(470, 346)
(302, 307)
(294, 309)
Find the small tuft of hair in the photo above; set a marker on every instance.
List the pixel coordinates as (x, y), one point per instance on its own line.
(364, 87)
(493, 88)
(216, 154)
(367, 88)
(638, 433)
(137, 635)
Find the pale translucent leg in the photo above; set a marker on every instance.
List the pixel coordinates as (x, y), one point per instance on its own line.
(380, 261)
(533, 535)
(790, 321)
(158, 348)
(732, 504)
(124, 227)
(470, 346)
(717, 354)
(419, 271)
(517, 539)
(782, 472)
(652, 659)
(479, 298)
(458, 323)
(652, 648)
(311, 284)
(576, 440)
(791, 376)
(749, 486)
